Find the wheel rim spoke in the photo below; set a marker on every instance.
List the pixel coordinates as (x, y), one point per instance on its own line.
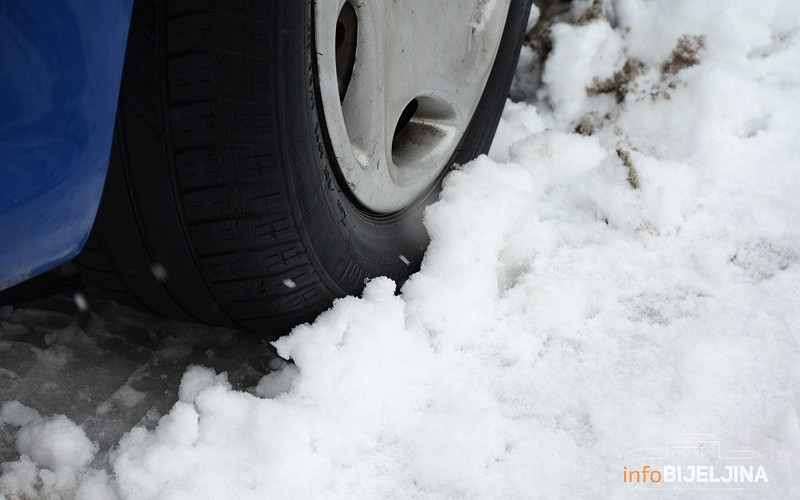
(419, 70)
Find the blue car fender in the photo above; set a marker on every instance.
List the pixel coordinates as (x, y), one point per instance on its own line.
(60, 69)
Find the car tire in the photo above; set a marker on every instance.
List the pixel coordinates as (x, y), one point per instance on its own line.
(224, 202)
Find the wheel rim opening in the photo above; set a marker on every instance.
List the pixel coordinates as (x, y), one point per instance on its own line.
(421, 130)
(406, 116)
(346, 42)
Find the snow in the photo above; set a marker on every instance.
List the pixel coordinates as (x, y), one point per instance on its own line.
(53, 450)
(621, 269)
(55, 443)
(16, 414)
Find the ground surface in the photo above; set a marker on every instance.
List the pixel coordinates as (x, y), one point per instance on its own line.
(620, 271)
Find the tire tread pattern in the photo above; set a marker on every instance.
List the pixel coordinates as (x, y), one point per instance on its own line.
(196, 184)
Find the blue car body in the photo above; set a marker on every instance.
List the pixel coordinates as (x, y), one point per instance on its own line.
(60, 69)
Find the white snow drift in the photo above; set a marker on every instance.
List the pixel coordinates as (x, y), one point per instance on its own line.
(621, 269)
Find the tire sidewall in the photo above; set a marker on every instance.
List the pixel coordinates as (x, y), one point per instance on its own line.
(347, 243)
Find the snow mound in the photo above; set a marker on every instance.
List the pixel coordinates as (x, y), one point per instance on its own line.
(56, 443)
(55, 457)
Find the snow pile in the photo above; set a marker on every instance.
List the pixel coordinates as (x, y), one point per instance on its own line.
(55, 458)
(621, 269)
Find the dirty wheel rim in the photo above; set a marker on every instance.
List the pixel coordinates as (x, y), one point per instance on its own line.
(399, 83)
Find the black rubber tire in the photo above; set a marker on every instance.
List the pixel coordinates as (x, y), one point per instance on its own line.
(222, 204)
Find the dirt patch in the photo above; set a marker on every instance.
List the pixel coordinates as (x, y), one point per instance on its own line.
(633, 178)
(593, 13)
(684, 55)
(591, 122)
(539, 37)
(540, 40)
(620, 83)
(588, 124)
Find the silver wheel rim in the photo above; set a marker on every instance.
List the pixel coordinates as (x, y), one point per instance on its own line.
(397, 110)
